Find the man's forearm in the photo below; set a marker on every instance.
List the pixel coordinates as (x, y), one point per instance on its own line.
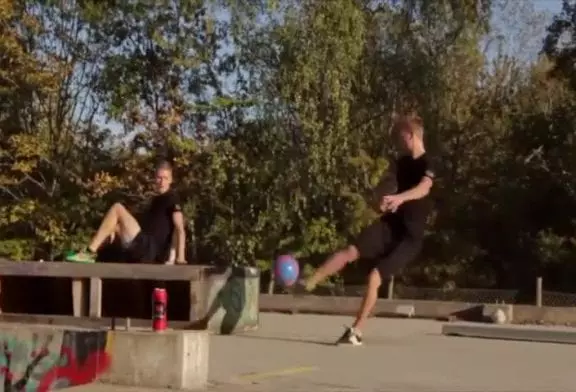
(172, 252)
(180, 245)
(418, 192)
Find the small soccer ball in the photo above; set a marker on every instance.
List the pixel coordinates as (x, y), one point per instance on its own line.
(499, 317)
(286, 270)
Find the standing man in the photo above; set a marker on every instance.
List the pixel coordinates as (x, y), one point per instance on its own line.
(395, 239)
(159, 237)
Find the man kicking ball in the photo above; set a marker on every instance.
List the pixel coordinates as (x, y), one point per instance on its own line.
(394, 239)
(159, 237)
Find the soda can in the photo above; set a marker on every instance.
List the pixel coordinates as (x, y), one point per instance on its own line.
(159, 310)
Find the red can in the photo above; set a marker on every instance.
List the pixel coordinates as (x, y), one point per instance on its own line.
(159, 309)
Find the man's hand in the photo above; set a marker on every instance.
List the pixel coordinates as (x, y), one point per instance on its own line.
(383, 205)
(391, 203)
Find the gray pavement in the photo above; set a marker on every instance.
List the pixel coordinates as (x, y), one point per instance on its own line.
(293, 353)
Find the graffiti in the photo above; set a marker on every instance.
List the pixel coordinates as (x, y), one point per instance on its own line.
(34, 362)
(252, 302)
(244, 293)
(234, 302)
(13, 351)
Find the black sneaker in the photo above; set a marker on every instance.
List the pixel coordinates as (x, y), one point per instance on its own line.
(350, 336)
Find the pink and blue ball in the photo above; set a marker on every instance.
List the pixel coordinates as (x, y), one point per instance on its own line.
(286, 270)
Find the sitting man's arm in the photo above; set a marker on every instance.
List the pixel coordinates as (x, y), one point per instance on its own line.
(178, 244)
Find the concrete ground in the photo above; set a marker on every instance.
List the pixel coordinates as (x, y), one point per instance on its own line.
(293, 353)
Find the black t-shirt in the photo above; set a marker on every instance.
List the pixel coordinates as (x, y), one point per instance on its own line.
(409, 173)
(157, 220)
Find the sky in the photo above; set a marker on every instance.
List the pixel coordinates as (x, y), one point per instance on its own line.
(554, 6)
(518, 40)
(518, 28)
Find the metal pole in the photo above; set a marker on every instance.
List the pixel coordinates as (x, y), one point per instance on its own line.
(539, 291)
(391, 287)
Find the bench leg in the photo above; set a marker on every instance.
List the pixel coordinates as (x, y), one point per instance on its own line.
(79, 297)
(95, 297)
(197, 299)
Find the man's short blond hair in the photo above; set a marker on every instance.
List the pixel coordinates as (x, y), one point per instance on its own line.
(165, 165)
(411, 122)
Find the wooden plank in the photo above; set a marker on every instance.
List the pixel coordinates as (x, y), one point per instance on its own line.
(103, 270)
(79, 297)
(95, 309)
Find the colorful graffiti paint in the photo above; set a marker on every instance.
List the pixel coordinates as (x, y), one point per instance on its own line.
(233, 301)
(45, 360)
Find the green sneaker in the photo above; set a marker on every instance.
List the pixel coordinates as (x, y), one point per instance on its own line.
(81, 257)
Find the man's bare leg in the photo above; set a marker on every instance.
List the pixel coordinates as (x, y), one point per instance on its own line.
(400, 255)
(117, 221)
(353, 335)
(333, 265)
(369, 300)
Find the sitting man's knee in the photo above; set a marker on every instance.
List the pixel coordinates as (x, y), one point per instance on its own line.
(118, 207)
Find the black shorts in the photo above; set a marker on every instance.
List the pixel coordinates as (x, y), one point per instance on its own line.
(387, 244)
(143, 249)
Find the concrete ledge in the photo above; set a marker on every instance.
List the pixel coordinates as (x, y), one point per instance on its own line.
(564, 335)
(171, 359)
(489, 310)
(544, 314)
(445, 310)
(384, 308)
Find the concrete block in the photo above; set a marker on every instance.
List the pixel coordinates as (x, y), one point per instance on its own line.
(545, 314)
(47, 358)
(489, 310)
(349, 306)
(405, 310)
(170, 359)
(564, 335)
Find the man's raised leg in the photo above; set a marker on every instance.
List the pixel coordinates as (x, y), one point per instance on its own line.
(333, 265)
(116, 221)
(371, 242)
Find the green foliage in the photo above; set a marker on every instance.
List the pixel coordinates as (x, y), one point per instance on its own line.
(17, 249)
(278, 117)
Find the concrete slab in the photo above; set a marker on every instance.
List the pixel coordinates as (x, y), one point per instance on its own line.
(405, 310)
(293, 353)
(171, 359)
(489, 310)
(564, 335)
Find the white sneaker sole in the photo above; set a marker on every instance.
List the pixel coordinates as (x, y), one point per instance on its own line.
(349, 343)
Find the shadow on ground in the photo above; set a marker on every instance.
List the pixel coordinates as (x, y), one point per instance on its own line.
(290, 340)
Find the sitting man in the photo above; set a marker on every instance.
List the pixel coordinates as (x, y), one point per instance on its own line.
(160, 236)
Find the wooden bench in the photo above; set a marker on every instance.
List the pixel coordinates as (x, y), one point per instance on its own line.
(87, 280)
